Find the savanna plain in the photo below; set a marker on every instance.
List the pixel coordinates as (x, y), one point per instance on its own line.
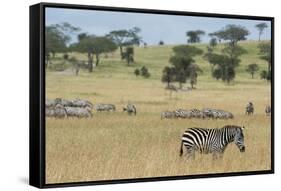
(115, 145)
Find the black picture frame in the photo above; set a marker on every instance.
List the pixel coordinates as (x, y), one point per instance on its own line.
(37, 94)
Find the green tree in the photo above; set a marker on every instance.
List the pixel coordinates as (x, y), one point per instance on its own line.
(168, 75)
(194, 36)
(137, 72)
(161, 42)
(94, 46)
(260, 27)
(125, 38)
(265, 54)
(144, 72)
(213, 42)
(182, 61)
(55, 42)
(128, 55)
(252, 69)
(228, 60)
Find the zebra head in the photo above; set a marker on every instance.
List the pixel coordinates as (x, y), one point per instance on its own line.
(239, 139)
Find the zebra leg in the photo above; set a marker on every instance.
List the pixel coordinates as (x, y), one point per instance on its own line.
(190, 153)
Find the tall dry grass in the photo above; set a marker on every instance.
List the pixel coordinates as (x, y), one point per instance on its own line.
(118, 146)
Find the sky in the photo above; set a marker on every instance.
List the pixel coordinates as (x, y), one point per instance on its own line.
(169, 28)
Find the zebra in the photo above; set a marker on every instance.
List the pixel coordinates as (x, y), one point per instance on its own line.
(58, 111)
(197, 113)
(168, 115)
(268, 110)
(131, 109)
(105, 107)
(212, 140)
(79, 112)
(81, 103)
(217, 114)
(181, 113)
(250, 108)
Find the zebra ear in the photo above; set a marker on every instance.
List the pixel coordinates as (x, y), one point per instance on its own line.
(243, 127)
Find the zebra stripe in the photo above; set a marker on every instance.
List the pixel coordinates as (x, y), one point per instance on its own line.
(211, 140)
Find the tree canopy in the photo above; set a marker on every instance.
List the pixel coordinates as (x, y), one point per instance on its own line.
(194, 36)
(261, 27)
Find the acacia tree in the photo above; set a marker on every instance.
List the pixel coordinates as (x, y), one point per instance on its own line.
(125, 38)
(182, 61)
(194, 36)
(129, 55)
(55, 42)
(168, 75)
(228, 60)
(94, 46)
(265, 54)
(252, 69)
(260, 27)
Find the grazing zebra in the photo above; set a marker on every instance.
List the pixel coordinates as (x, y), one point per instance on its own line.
(217, 114)
(81, 103)
(250, 108)
(268, 110)
(79, 112)
(211, 140)
(60, 111)
(105, 107)
(197, 113)
(181, 113)
(131, 109)
(168, 114)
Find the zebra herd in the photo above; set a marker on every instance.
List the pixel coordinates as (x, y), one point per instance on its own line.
(61, 108)
(209, 113)
(212, 141)
(196, 113)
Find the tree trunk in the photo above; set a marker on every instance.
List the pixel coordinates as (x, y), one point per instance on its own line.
(97, 59)
(90, 62)
(252, 75)
(121, 52)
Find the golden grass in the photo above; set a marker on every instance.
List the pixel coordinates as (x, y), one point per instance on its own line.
(118, 146)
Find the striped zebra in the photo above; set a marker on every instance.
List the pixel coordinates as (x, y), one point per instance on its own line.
(182, 113)
(131, 109)
(250, 108)
(168, 114)
(105, 107)
(211, 140)
(268, 110)
(196, 113)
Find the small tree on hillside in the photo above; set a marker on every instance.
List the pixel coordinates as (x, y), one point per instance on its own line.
(144, 72)
(193, 71)
(228, 60)
(213, 42)
(137, 72)
(252, 69)
(124, 38)
(168, 75)
(265, 54)
(194, 36)
(261, 27)
(161, 42)
(94, 46)
(128, 55)
(182, 60)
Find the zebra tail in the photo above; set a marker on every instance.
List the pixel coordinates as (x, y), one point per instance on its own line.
(181, 150)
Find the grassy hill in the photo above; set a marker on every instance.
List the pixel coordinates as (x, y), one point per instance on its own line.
(155, 58)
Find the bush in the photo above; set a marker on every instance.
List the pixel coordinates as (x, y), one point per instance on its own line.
(137, 72)
(65, 56)
(144, 72)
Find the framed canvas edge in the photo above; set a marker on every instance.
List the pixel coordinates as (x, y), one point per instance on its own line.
(37, 88)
